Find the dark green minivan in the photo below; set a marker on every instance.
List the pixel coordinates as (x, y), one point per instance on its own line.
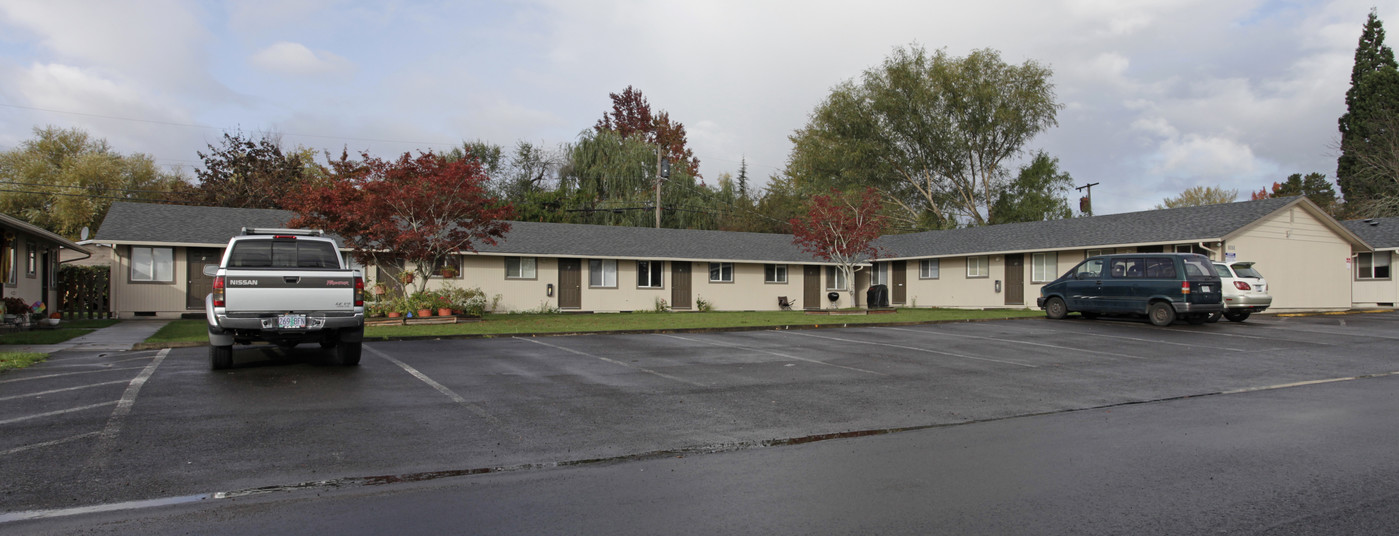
(1161, 286)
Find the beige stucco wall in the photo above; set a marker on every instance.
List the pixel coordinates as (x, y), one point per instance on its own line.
(1373, 292)
(165, 299)
(30, 287)
(1304, 261)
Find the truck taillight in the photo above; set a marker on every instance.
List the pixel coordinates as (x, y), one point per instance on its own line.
(1185, 287)
(359, 291)
(1242, 285)
(218, 292)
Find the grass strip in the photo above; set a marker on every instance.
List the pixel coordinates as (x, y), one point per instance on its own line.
(19, 360)
(67, 329)
(518, 324)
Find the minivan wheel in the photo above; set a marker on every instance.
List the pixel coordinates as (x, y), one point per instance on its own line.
(1161, 314)
(1214, 317)
(1237, 317)
(1055, 309)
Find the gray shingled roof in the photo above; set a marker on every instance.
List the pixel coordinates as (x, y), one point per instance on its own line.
(149, 223)
(1383, 234)
(1179, 225)
(178, 224)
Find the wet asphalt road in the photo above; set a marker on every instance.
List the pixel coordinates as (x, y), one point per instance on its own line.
(85, 430)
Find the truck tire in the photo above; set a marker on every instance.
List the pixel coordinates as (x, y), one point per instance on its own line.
(347, 354)
(220, 357)
(1161, 313)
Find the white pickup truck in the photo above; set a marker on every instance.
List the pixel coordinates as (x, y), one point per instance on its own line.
(284, 286)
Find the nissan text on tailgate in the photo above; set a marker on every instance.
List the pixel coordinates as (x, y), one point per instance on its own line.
(286, 287)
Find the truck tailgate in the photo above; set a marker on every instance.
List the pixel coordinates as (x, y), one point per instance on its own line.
(282, 291)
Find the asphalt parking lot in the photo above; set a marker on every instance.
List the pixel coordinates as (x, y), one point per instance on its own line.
(87, 429)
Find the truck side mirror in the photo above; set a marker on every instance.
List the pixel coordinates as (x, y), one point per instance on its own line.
(211, 270)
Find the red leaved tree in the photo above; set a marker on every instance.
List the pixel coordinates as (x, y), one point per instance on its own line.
(420, 210)
(631, 117)
(841, 228)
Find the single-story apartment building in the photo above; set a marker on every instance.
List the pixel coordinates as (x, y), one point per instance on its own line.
(1375, 285)
(159, 252)
(29, 259)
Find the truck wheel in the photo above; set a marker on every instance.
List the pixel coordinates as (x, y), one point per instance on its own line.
(220, 357)
(1055, 309)
(347, 354)
(1237, 317)
(1161, 314)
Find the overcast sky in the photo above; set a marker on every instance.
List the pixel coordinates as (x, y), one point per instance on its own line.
(1158, 95)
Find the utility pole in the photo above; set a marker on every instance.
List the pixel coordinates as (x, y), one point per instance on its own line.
(662, 173)
(1085, 203)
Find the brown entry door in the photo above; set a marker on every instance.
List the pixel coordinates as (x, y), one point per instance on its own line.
(570, 283)
(198, 285)
(898, 295)
(1015, 279)
(680, 285)
(811, 287)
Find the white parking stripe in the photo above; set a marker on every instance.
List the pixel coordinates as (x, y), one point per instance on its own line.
(614, 362)
(100, 454)
(42, 393)
(473, 408)
(59, 412)
(1027, 343)
(916, 349)
(778, 354)
(69, 439)
(27, 378)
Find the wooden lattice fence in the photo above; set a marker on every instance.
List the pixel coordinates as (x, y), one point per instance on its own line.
(84, 291)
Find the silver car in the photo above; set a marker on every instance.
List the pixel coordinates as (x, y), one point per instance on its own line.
(1245, 290)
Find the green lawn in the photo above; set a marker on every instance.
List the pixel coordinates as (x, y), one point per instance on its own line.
(504, 324)
(19, 360)
(67, 329)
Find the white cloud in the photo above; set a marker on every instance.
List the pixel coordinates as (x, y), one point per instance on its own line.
(295, 59)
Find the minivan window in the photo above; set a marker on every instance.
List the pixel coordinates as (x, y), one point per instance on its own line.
(1197, 266)
(1127, 267)
(1160, 268)
(1090, 269)
(283, 254)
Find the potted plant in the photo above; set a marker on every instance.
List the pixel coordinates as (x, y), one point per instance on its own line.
(55, 318)
(448, 272)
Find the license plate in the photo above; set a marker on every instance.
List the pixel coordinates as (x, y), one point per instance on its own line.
(1204, 288)
(291, 321)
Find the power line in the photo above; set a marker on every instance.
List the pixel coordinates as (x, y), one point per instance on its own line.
(16, 183)
(94, 196)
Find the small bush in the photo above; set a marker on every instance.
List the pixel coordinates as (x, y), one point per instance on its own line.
(702, 305)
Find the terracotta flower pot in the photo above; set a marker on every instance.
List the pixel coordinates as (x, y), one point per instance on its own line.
(395, 314)
(424, 313)
(445, 311)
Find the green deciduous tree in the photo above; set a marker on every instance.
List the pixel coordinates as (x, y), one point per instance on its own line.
(1037, 194)
(930, 132)
(245, 173)
(64, 180)
(1373, 96)
(1196, 196)
(1313, 185)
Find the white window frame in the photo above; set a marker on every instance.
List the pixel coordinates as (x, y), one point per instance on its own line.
(650, 274)
(602, 273)
(925, 273)
(1365, 271)
(159, 264)
(880, 274)
(979, 267)
(775, 273)
(525, 268)
(835, 279)
(724, 271)
(1045, 267)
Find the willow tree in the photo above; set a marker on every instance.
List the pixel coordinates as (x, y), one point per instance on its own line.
(931, 132)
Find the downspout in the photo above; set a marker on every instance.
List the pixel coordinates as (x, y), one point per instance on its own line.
(1217, 255)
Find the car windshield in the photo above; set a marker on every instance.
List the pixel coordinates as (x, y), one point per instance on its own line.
(1198, 267)
(1246, 270)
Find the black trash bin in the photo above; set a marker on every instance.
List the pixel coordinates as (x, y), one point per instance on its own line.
(877, 296)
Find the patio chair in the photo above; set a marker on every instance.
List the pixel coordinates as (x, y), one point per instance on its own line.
(785, 304)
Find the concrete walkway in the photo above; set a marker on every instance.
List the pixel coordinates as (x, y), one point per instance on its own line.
(117, 337)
